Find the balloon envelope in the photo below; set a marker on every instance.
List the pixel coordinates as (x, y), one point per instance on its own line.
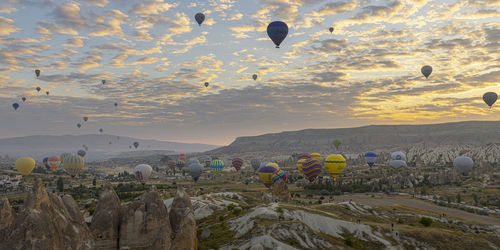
(182, 157)
(316, 156)
(73, 163)
(24, 99)
(279, 174)
(426, 71)
(81, 153)
(103, 81)
(255, 164)
(38, 89)
(206, 84)
(335, 165)
(237, 163)
(54, 162)
(463, 165)
(311, 168)
(396, 164)
(199, 17)
(136, 144)
(330, 29)
(25, 165)
(266, 172)
(46, 162)
(277, 31)
(85, 118)
(15, 105)
(398, 156)
(490, 98)
(79, 125)
(37, 72)
(143, 172)
(254, 76)
(217, 165)
(194, 170)
(179, 164)
(370, 158)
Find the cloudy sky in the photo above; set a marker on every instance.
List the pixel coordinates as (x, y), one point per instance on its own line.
(155, 59)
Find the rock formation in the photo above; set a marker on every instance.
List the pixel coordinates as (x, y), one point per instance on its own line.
(7, 216)
(280, 191)
(105, 223)
(182, 221)
(145, 223)
(47, 222)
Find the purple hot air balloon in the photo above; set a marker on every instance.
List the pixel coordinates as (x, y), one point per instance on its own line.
(277, 31)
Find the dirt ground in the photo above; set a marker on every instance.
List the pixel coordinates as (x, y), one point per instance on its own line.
(388, 201)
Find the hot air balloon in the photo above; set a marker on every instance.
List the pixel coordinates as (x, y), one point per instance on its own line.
(25, 165)
(37, 72)
(79, 125)
(45, 162)
(217, 165)
(193, 160)
(330, 29)
(490, 98)
(237, 163)
(398, 156)
(311, 168)
(100, 130)
(171, 164)
(130, 147)
(54, 162)
(136, 144)
(103, 82)
(116, 104)
(179, 164)
(64, 155)
(81, 153)
(302, 156)
(426, 71)
(85, 118)
(199, 17)
(207, 160)
(85, 147)
(463, 165)
(194, 170)
(255, 164)
(15, 105)
(299, 164)
(254, 77)
(279, 174)
(47, 92)
(143, 172)
(72, 164)
(206, 84)
(277, 31)
(337, 143)
(182, 157)
(24, 99)
(370, 158)
(396, 164)
(335, 165)
(316, 156)
(266, 173)
(38, 89)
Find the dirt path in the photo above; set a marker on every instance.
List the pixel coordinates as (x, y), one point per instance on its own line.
(386, 201)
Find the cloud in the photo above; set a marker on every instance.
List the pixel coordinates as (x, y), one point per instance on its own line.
(7, 26)
(336, 8)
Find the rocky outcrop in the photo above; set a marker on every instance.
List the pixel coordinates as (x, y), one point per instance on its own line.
(7, 216)
(280, 191)
(145, 223)
(182, 221)
(105, 223)
(47, 222)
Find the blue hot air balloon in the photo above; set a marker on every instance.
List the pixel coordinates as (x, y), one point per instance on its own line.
(277, 31)
(370, 158)
(15, 105)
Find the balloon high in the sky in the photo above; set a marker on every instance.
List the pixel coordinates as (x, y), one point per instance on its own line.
(311, 168)
(24, 99)
(81, 153)
(217, 165)
(330, 29)
(255, 164)
(426, 71)
(38, 89)
(277, 31)
(199, 17)
(73, 163)
(463, 165)
(490, 98)
(254, 76)
(25, 165)
(15, 105)
(116, 104)
(136, 144)
(100, 130)
(37, 72)
(47, 92)
(335, 165)
(370, 158)
(85, 118)
(103, 81)
(143, 172)
(237, 163)
(206, 84)
(79, 125)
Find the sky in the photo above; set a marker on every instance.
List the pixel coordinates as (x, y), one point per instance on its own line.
(155, 60)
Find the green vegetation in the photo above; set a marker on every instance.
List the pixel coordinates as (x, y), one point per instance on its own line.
(426, 221)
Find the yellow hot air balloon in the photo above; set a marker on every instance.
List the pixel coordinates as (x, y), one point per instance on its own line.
(335, 165)
(316, 156)
(25, 165)
(299, 165)
(73, 163)
(266, 172)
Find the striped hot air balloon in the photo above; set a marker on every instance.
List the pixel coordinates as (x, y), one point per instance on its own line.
(217, 166)
(316, 156)
(73, 163)
(171, 165)
(311, 168)
(266, 173)
(46, 162)
(335, 165)
(302, 156)
(279, 174)
(179, 164)
(237, 163)
(299, 165)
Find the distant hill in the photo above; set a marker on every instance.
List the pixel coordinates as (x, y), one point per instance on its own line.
(99, 146)
(369, 138)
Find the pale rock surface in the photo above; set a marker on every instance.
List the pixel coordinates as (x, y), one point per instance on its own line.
(183, 222)
(105, 223)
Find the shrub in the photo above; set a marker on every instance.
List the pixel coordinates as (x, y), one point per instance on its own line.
(401, 221)
(425, 221)
(221, 218)
(348, 241)
(236, 211)
(230, 207)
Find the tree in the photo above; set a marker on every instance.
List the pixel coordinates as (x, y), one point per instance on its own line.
(60, 184)
(94, 182)
(476, 199)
